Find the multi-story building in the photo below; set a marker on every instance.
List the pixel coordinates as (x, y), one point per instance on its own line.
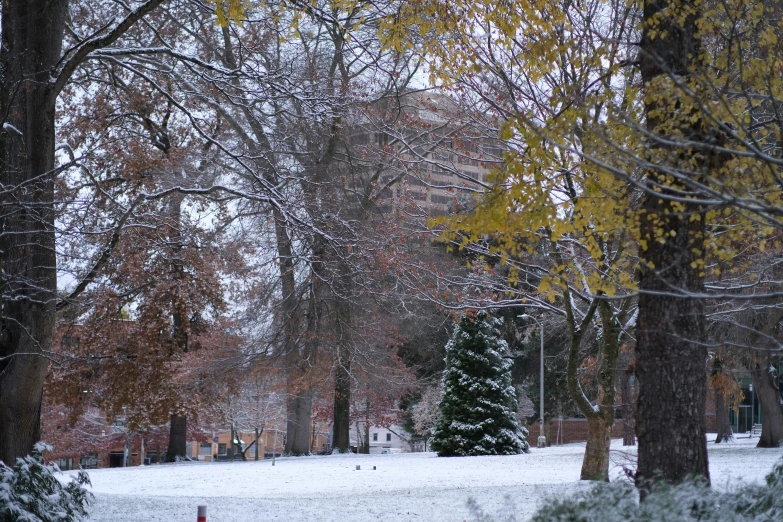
(427, 152)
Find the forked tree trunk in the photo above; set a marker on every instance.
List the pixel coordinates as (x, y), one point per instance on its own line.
(178, 445)
(32, 33)
(595, 465)
(670, 356)
(768, 395)
(722, 422)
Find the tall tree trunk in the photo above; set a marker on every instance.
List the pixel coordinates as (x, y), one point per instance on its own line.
(342, 403)
(670, 354)
(178, 445)
(299, 398)
(299, 410)
(722, 423)
(179, 337)
(32, 33)
(629, 424)
(299, 404)
(333, 292)
(768, 395)
(366, 426)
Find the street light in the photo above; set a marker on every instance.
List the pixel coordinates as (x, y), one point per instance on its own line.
(541, 437)
(750, 389)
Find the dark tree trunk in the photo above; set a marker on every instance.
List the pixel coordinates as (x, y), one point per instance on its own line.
(670, 356)
(32, 33)
(299, 406)
(768, 395)
(342, 404)
(366, 449)
(179, 337)
(178, 445)
(366, 444)
(722, 423)
(670, 359)
(629, 425)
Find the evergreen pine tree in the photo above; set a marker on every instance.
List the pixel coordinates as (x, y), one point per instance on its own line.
(478, 406)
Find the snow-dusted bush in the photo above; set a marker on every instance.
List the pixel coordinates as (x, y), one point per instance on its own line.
(478, 405)
(30, 492)
(690, 502)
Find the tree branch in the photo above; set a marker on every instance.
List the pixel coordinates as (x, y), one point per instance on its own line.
(77, 54)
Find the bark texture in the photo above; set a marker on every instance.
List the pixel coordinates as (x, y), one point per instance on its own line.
(32, 33)
(32, 39)
(670, 356)
(595, 465)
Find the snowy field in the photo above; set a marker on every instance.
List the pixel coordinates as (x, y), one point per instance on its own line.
(404, 487)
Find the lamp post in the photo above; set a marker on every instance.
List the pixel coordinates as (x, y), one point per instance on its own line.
(541, 436)
(750, 389)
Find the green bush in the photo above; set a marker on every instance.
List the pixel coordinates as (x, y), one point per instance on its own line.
(689, 502)
(30, 492)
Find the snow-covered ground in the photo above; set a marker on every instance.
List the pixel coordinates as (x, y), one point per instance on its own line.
(404, 487)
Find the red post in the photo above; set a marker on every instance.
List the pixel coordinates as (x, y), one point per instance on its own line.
(202, 514)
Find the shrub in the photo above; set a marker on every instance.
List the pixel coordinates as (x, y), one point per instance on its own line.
(689, 502)
(30, 492)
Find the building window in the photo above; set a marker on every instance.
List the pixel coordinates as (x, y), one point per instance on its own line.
(221, 449)
(388, 437)
(89, 461)
(443, 200)
(65, 464)
(205, 449)
(70, 342)
(375, 437)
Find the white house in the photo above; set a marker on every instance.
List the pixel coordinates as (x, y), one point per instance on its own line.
(382, 440)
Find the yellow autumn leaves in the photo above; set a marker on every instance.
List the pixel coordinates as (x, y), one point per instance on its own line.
(564, 78)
